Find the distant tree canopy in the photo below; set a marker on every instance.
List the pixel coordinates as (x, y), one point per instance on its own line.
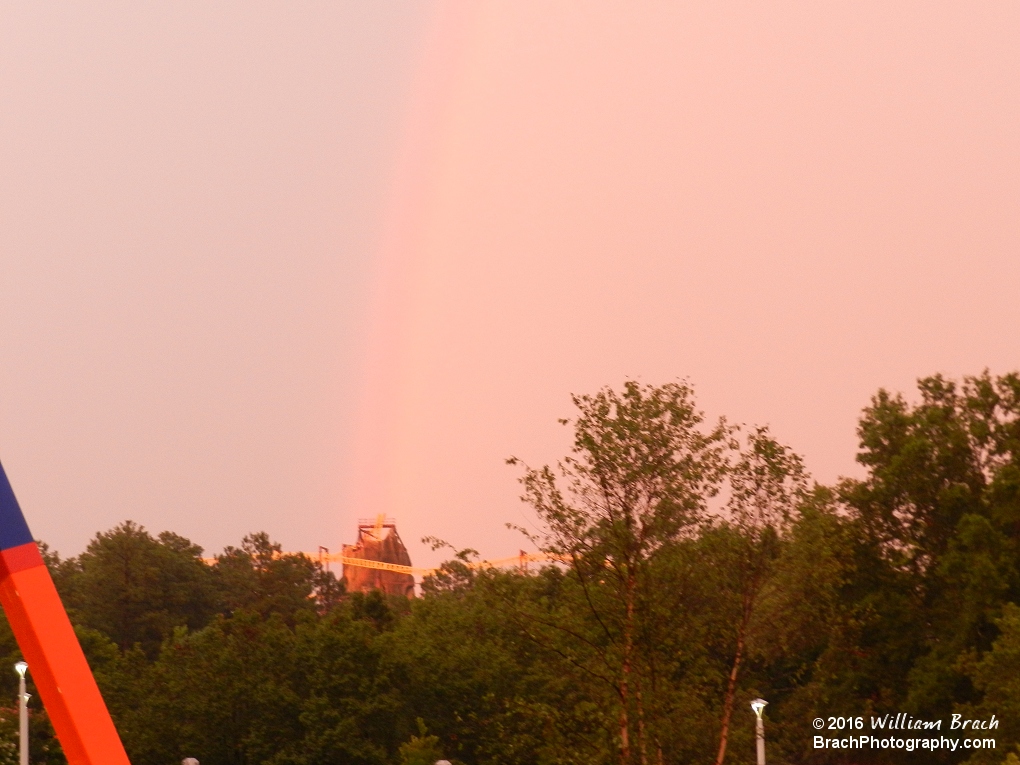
(135, 588)
(701, 568)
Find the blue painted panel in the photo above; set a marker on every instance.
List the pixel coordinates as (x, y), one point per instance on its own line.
(13, 528)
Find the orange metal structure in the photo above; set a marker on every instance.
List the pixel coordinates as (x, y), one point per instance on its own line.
(379, 542)
(520, 561)
(47, 640)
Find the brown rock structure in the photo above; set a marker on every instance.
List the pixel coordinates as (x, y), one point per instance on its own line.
(379, 541)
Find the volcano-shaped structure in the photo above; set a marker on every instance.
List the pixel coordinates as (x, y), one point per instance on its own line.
(378, 540)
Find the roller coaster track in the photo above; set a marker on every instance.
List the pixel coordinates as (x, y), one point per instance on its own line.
(521, 561)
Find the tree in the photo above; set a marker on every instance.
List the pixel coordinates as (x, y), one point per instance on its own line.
(422, 749)
(940, 508)
(465, 663)
(767, 484)
(258, 576)
(997, 675)
(224, 693)
(349, 712)
(135, 588)
(638, 480)
(931, 463)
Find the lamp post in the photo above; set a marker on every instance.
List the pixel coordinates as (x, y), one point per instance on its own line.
(21, 668)
(758, 705)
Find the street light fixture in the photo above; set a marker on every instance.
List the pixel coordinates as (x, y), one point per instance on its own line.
(21, 668)
(758, 705)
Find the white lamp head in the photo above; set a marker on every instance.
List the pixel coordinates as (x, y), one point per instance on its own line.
(758, 705)
(21, 668)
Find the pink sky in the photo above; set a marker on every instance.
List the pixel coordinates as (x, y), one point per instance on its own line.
(280, 268)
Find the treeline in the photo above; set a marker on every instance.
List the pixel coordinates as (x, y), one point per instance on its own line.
(700, 568)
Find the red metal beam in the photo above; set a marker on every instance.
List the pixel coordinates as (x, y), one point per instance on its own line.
(47, 640)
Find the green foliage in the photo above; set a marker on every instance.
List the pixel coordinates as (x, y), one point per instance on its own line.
(937, 515)
(135, 588)
(637, 482)
(895, 592)
(997, 675)
(258, 577)
(422, 749)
